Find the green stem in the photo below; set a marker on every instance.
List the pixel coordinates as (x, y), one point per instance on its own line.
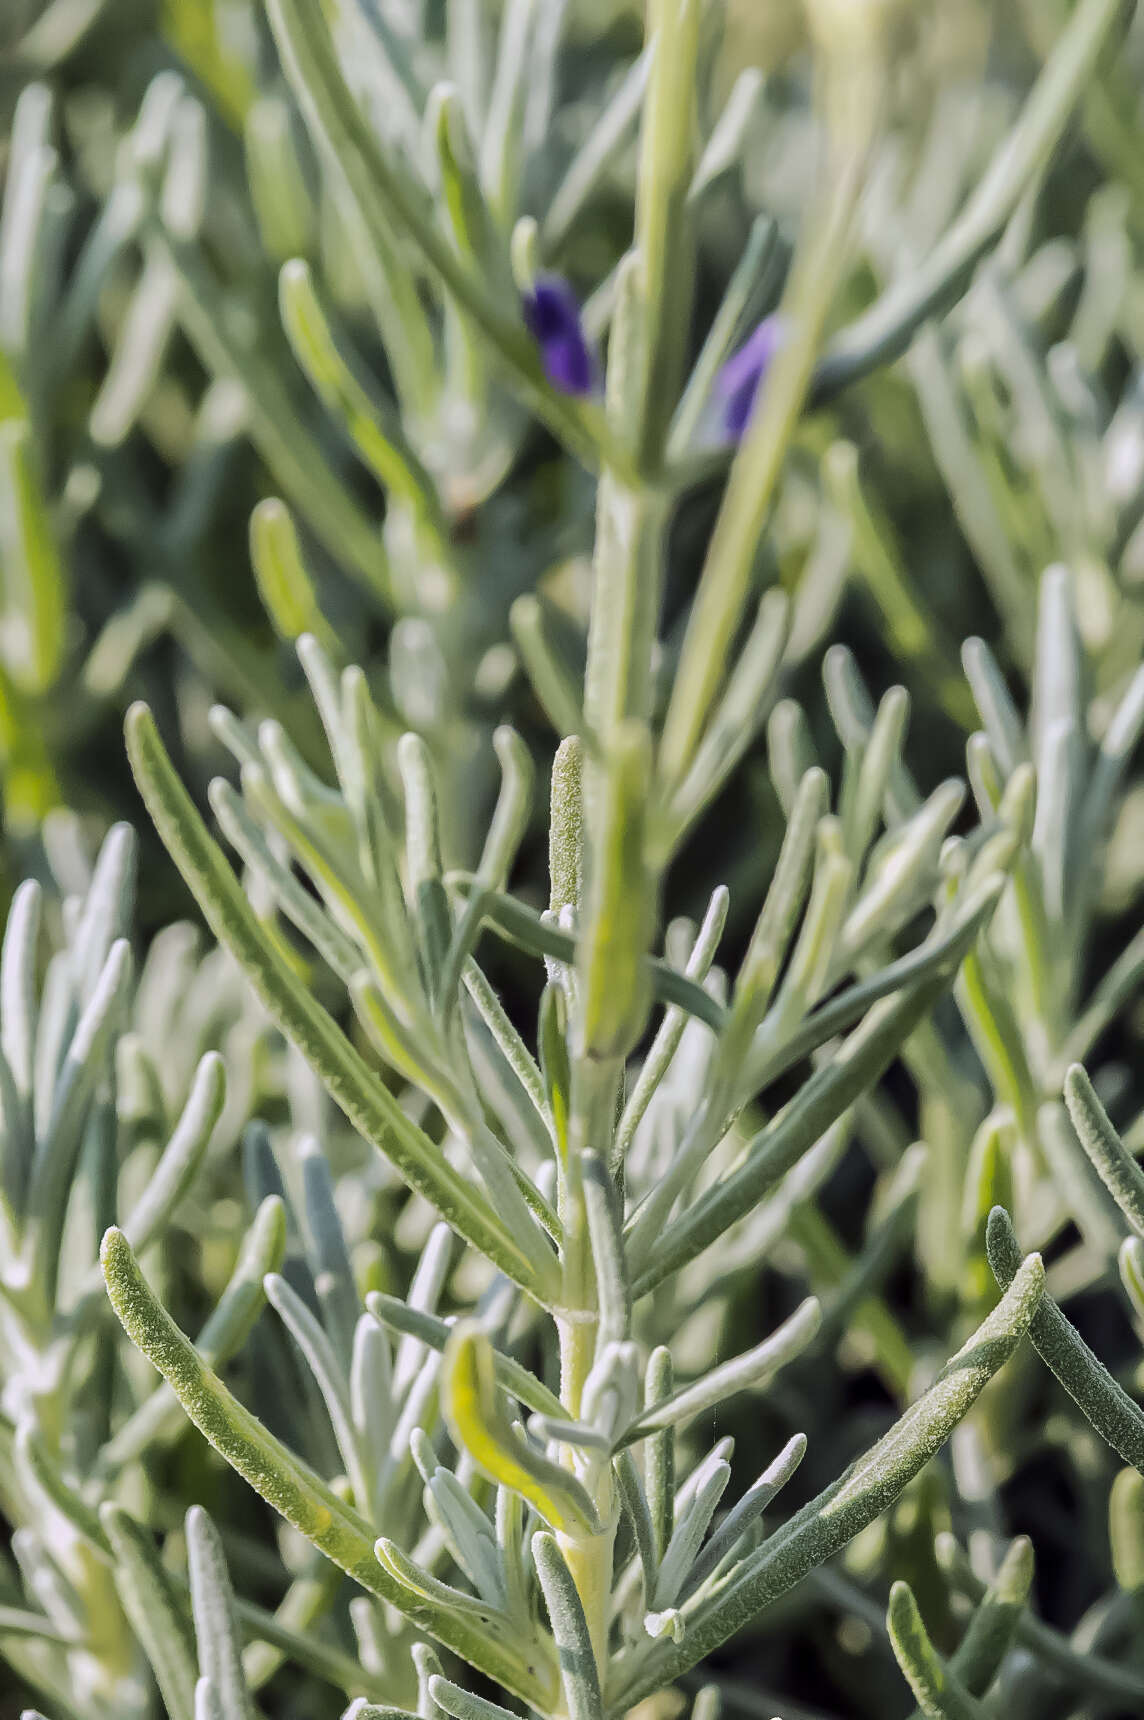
(631, 526)
(725, 581)
(662, 226)
(588, 1557)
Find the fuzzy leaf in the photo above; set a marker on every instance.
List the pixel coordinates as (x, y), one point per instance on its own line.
(216, 1625)
(1116, 1168)
(578, 1673)
(940, 1695)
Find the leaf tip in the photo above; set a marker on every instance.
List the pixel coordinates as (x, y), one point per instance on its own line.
(1077, 1083)
(138, 720)
(1015, 1578)
(114, 1250)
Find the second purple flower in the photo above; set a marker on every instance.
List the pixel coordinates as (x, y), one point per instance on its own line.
(741, 377)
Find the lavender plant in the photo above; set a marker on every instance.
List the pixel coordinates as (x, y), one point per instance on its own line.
(516, 1155)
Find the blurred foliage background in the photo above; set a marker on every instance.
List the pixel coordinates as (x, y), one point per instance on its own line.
(154, 417)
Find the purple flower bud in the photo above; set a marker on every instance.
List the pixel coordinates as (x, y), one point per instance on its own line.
(552, 312)
(738, 383)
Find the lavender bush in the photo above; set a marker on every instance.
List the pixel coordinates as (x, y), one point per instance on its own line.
(569, 1107)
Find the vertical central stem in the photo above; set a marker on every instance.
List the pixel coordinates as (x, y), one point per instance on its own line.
(630, 526)
(645, 350)
(589, 1557)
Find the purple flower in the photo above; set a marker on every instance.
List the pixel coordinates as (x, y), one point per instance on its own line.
(738, 384)
(552, 312)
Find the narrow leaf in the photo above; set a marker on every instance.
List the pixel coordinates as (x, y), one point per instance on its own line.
(753, 1369)
(182, 1156)
(578, 1671)
(939, 1694)
(1114, 1165)
(216, 1624)
(462, 1706)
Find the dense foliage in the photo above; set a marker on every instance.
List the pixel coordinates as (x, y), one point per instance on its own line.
(571, 617)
